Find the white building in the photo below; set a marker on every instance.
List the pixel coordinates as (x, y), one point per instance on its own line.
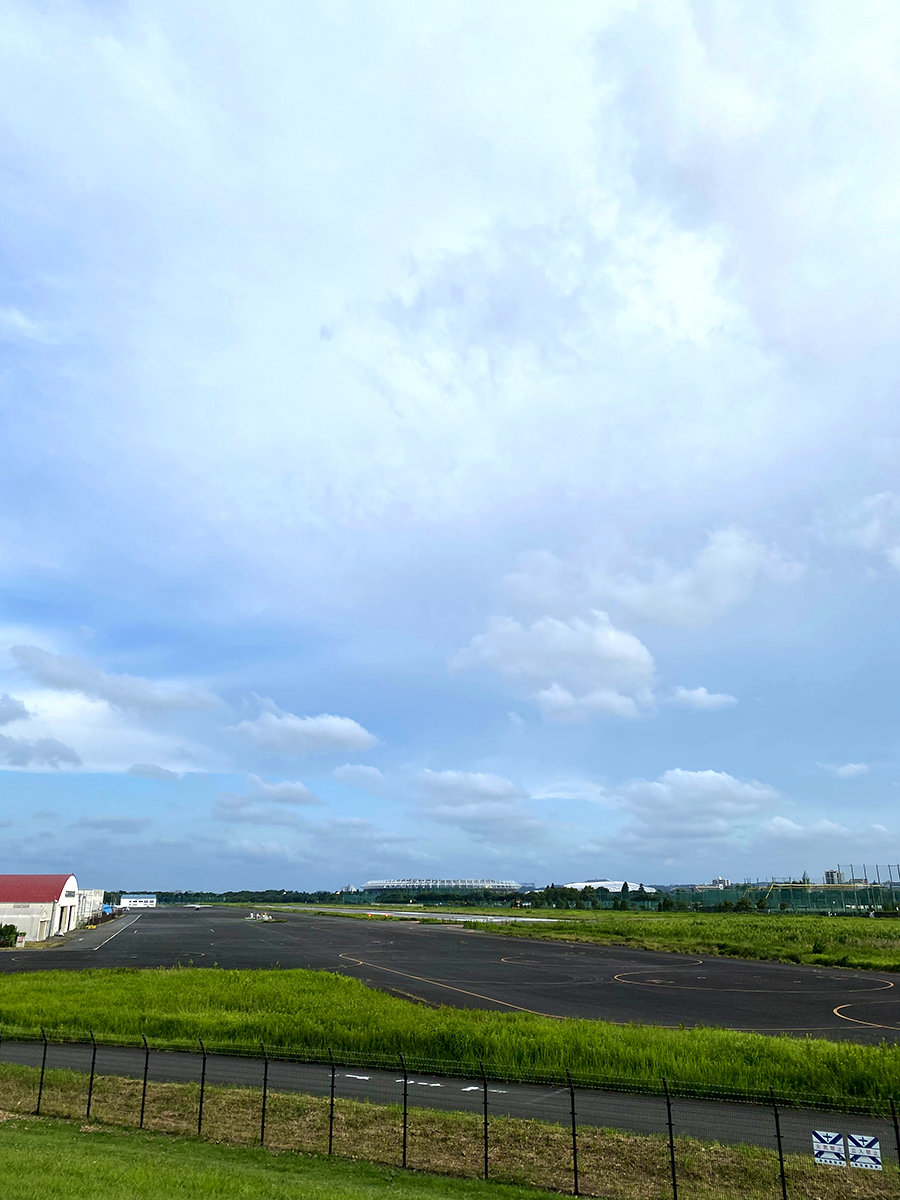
(439, 885)
(90, 904)
(39, 905)
(142, 900)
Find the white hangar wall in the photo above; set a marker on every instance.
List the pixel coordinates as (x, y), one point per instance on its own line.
(39, 905)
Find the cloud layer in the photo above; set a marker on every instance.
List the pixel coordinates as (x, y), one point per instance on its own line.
(412, 363)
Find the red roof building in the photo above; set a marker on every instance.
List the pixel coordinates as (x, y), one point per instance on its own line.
(39, 906)
(32, 889)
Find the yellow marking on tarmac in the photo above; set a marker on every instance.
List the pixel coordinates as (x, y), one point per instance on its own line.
(462, 991)
(556, 1017)
(856, 1021)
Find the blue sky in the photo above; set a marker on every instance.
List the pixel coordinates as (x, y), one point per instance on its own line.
(448, 439)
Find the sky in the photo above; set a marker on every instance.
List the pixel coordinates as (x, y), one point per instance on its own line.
(448, 440)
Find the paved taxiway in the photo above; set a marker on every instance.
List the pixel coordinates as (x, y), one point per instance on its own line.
(473, 969)
(713, 1120)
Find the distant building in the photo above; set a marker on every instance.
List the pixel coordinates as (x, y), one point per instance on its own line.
(40, 906)
(720, 882)
(833, 878)
(611, 885)
(138, 901)
(440, 885)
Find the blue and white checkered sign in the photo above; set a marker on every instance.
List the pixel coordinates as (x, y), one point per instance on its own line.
(864, 1151)
(828, 1148)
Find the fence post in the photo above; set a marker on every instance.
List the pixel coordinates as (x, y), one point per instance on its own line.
(484, 1100)
(202, 1087)
(671, 1140)
(574, 1133)
(265, 1095)
(780, 1146)
(87, 1115)
(405, 1104)
(37, 1111)
(144, 1087)
(331, 1106)
(896, 1130)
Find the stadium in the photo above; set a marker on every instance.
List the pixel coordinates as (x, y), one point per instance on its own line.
(442, 885)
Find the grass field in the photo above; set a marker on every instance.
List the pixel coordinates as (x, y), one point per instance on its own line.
(57, 1161)
(777, 937)
(314, 1010)
(50, 1158)
(825, 941)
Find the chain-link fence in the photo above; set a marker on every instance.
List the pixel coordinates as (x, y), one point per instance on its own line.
(578, 1136)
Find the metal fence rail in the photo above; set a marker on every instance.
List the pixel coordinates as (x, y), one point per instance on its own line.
(561, 1134)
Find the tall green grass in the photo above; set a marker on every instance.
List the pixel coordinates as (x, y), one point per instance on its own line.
(826, 941)
(779, 937)
(312, 1011)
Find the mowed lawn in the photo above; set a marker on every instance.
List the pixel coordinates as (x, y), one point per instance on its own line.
(314, 1011)
(52, 1160)
(102, 1160)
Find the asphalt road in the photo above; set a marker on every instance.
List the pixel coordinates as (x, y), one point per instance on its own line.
(473, 969)
(748, 1124)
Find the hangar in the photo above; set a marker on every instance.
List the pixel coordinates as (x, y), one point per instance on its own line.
(39, 905)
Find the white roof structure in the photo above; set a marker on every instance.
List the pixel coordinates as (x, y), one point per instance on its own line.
(611, 885)
(440, 885)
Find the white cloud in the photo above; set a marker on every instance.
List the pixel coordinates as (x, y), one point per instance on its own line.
(874, 525)
(266, 804)
(700, 698)
(573, 789)
(112, 824)
(489, 808)
(722, 576)
(579, 667)
(12, 709)
(691, 810)
(535, 335)
(38, 752)
(359, 776)
(558, 704)
(152, 771)
(461, 787)
(70, 674)
(239, 809)
(285, 792)
(850, 770)
(285, 733)
(783, 827)
(109, 739)
(16, 327)
(276, 852)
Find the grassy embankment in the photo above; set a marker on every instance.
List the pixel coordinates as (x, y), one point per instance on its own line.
(778, 937)
(313, 1010)
(55, 1162)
